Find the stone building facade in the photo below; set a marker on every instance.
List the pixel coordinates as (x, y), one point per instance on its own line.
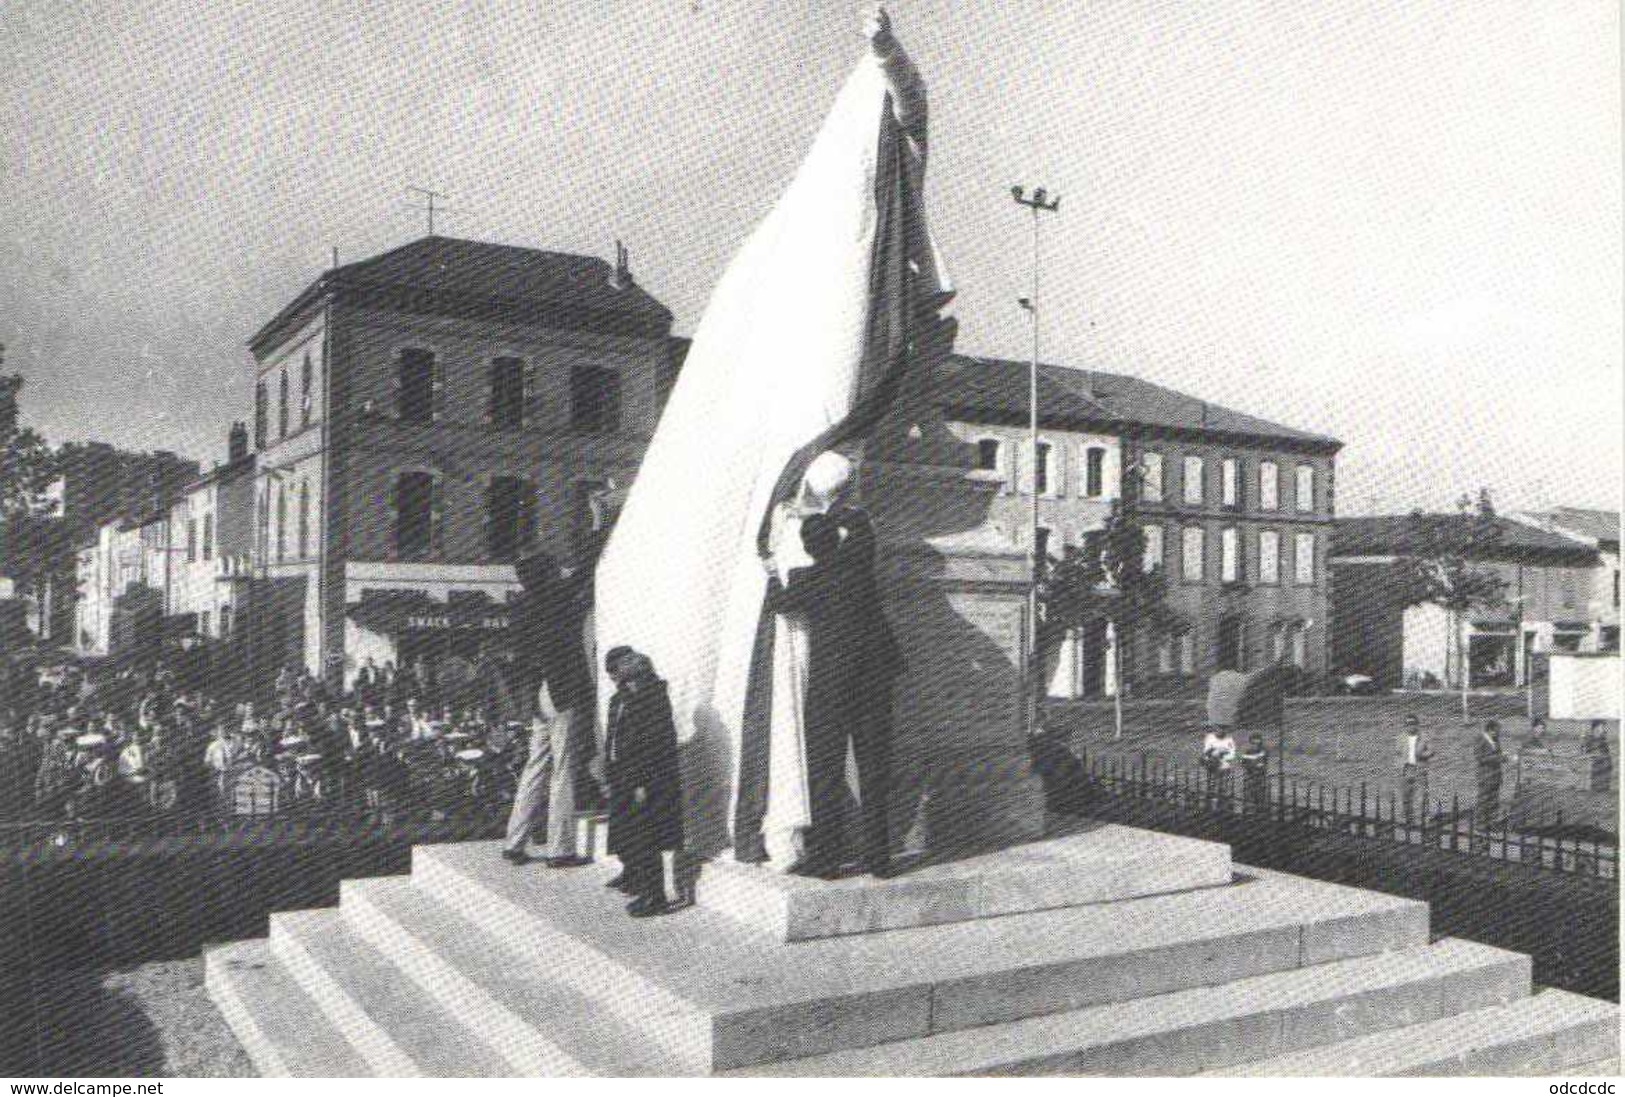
(424, 417)
(1237, 512)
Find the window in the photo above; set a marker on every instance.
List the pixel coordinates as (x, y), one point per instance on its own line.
(1300, 644)
(225, 620)
(1306, 488)
(414, 514)
(1195, 547)
(1568, 590)
(306, 378)
(1269, 486)
(191, 540)
(1230, 483)
(595, 399)
(208, 536)
(1153, 548)
(1151, 477)
(1167, 652)
(304, 519)
(1041, 471)
(507, 393)
(988, 453)
(1094, 472)
(506, 518)
(262, 416)
(1193, 480)
(203, 623)
(282, 405)
(281, 522)
(1269, 557)
(1230, 555)
(415, 395)
(1187, 652)
(1303, 559)
(1278, 642)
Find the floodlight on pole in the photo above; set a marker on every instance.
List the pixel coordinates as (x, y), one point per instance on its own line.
(1040, 202)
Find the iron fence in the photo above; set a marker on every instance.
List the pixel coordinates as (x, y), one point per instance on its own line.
(1540, 839)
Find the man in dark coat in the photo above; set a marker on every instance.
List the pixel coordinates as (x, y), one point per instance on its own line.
(645, 780)
(556, 685)
(852, 665)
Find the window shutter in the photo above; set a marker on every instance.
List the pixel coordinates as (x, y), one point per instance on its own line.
(437, 500)
(527, 512)
(392, 501)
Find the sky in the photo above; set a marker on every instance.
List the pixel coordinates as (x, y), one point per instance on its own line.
(1395, 222)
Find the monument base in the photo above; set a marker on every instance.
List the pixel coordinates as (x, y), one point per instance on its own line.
(471, 967)
(1101, 864)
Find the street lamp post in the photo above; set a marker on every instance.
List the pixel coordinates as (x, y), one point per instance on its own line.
(1038, 203)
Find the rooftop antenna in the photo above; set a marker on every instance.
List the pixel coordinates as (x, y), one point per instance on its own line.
(429, 197)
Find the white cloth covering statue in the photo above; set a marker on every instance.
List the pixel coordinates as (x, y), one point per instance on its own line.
(801, 349)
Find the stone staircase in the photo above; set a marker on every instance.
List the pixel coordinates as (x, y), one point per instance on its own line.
(1109, 951)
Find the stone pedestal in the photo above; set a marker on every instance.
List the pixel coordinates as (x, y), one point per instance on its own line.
(956, 595)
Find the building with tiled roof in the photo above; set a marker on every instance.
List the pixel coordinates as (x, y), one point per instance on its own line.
(1236, 511)
(1598, 529)
(422, 418)
(1549, 581)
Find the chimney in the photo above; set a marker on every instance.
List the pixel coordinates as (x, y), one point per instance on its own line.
(237, 442)
(623, 268)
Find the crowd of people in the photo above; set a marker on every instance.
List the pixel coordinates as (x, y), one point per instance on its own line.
(140, 741)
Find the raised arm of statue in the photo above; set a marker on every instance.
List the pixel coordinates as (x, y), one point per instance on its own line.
(907, 88)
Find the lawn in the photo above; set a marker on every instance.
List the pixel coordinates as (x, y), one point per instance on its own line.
(1350, 741)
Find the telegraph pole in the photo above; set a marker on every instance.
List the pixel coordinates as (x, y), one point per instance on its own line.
(1038, 203)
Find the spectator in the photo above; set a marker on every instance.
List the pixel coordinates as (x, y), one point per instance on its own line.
(225, 757)
(55, 781)
(1596, 739)
(1255, 764)
(1414, 756)
(1218, 755)
(1537, 736)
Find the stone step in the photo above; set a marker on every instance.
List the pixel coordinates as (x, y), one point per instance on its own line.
(717, 995)
(538, 1024)
(1102, 864)
(1543, 1034)
(383, 1015)
(271, 1016)
(1191, 1030)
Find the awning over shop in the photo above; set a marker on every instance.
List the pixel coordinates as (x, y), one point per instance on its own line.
(393, 612)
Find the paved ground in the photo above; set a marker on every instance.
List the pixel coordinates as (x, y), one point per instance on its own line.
(1346, 741)
(150, 1021)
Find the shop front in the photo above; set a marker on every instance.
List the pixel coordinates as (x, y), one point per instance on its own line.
(452, 648)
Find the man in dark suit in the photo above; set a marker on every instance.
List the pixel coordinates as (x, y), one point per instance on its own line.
(645, 780)
(852, 665)
(556, 679)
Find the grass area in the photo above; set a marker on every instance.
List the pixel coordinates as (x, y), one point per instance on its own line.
(1348, 741)
(150, 1021)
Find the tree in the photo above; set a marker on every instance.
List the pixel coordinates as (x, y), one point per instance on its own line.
(1105, 579)
(30, 540)
(27, 465)
(1441, 566)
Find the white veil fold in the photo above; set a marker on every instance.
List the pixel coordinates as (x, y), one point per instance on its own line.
(776, 361)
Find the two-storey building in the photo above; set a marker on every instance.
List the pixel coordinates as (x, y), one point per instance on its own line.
(213, 533)
(424, 417)
(1235, 510)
